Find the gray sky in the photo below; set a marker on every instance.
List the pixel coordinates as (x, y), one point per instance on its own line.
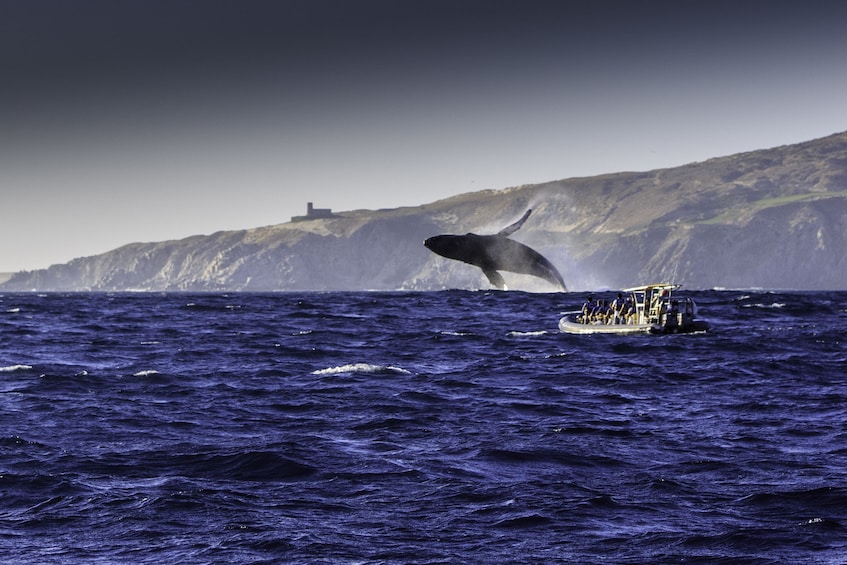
(124, 121)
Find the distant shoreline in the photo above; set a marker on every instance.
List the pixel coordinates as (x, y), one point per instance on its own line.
(5, 276)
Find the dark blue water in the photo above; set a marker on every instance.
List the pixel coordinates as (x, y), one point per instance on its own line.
(444, 427)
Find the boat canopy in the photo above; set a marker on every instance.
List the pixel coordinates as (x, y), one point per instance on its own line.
(660, 286)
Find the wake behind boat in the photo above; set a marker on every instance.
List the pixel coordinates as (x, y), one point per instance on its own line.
(642, 309)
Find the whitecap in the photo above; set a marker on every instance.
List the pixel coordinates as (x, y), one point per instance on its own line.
(811, 521)
(527, 334)
(12, 368)
(761, 305)
(146, 373)
(361, 368)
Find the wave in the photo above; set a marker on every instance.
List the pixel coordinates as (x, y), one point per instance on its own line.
(524, 521)
(516, 333)
(762, 305)
(442, 426)
(362, 368)
(13, 368)
(252, 465)
(255, 466)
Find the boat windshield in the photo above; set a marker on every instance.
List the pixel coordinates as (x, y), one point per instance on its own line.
(651, 301)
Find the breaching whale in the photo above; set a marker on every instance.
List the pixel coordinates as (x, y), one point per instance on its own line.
(493, 253)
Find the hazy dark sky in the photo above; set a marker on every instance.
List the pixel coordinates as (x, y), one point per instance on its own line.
(126, 121)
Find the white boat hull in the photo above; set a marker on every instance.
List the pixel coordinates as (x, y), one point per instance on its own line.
(572, 327)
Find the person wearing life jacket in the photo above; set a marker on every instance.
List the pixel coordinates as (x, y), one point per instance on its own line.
(658, 307)
(587, 309)
(603, 313)
(630, 311)
(672, 318)
(617, 308)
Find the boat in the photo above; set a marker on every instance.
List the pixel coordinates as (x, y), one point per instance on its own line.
(651, 308)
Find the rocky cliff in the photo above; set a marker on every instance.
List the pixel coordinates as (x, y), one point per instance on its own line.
(775, 218)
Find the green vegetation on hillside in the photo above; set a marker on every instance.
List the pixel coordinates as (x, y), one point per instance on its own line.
(732, 216)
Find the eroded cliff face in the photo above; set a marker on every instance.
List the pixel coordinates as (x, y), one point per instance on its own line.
(774, 218)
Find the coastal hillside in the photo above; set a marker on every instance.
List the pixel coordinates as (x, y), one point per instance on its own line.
(774, 218)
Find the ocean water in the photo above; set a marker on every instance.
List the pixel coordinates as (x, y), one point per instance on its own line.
(437, 427)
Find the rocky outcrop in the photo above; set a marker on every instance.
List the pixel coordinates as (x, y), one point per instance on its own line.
(775, 218)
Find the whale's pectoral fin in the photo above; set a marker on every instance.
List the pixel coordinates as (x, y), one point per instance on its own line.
(495, 278)
(509, 230)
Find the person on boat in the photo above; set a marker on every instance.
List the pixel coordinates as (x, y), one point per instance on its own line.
(628, 311)
(658, 306)
(587, 309)
(648, 305)
(690, 308)
(617, 308)
(595, 314)
(603, 313)
(672, 319)
(662, 307)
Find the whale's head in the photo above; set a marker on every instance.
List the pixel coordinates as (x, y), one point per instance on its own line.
(449, 246)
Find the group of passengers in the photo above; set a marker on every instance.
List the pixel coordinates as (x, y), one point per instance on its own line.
(621, 310)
